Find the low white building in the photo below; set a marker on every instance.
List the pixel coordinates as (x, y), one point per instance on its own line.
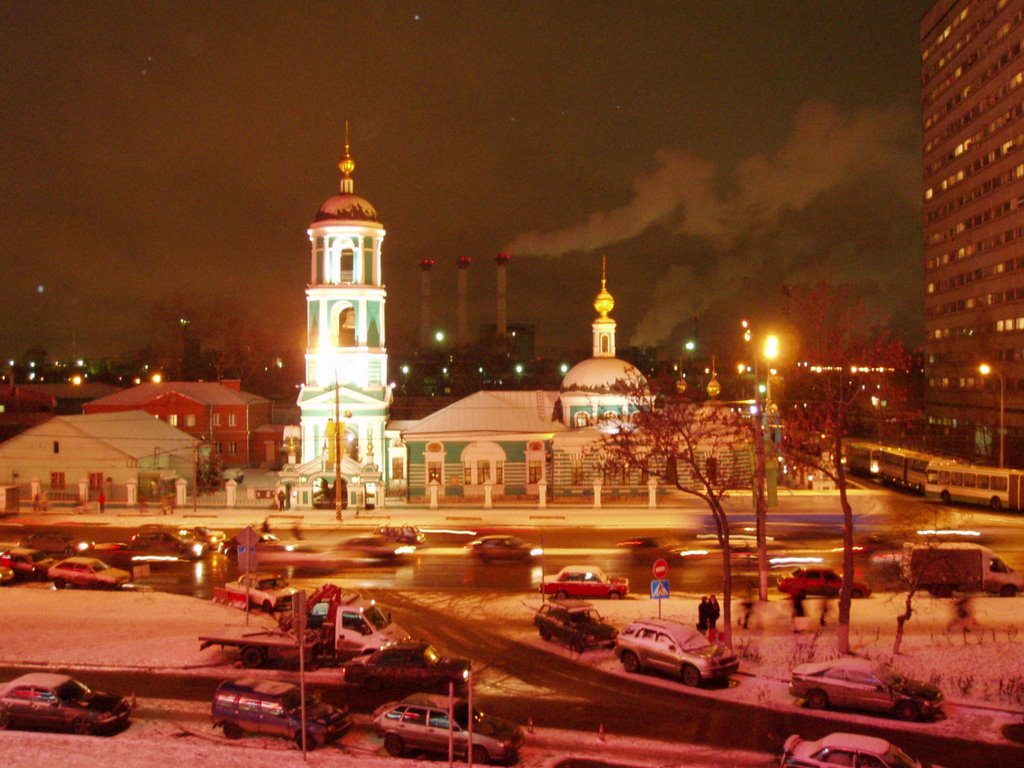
(128, 456)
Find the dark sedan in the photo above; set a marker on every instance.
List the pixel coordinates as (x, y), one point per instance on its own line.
(503, 549)
(575, 623)
(410, 664)
(53, 702)
(55, 543)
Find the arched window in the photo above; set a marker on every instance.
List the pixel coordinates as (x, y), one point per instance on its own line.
(604, 344)
(347, 327)
(581, 419)
(348, 258)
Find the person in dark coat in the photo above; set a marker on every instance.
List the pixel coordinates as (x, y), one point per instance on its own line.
(702, 615)
(714, 612)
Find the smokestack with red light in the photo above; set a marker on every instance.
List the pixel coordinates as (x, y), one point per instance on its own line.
(501, 260)
(426, 265)
(463, 263)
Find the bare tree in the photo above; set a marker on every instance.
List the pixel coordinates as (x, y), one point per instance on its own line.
(701, 449)
(845, 361)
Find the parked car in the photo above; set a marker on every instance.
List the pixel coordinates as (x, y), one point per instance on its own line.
(157, 543)
(585, 582)
(575, 623)
(54, 702)
(86, 572)
(675, 648)
(274, 708)
(420, 723)
(27, 564)
(867, 685)
(269, 591)
(6, 575)
(410, 663)
(55, 543)
(819, 581)
(503, 548)
(403, 534)
(846, 749)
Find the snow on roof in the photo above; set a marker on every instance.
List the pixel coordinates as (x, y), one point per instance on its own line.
(856, 741)
(134, 433)
(204, 392)
(493, 412)
(40, 679)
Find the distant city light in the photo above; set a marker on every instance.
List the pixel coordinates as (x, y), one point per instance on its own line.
(76, 380)
(519, 368)
(690, 345)
(405, 369)
(439, 336)
(564, 367)
(157, 378)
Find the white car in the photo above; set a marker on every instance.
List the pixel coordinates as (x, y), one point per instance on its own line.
(268, 591)
(86, 572)
(846, 749)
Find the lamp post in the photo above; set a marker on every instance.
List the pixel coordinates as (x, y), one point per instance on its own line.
(985, 369)
(769, 351)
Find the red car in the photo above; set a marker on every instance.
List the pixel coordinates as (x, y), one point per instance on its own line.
(585, 582)
(819, 581)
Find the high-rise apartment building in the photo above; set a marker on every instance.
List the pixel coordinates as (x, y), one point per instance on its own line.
(972, 105)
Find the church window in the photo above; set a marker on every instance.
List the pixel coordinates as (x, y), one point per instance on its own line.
(483, 471)
(499, 473)
(604, 345)
(347, 265)
(347, 327)
(467, 474)
(433, 471)
(581, 419)
(397, 468)
(535, 472)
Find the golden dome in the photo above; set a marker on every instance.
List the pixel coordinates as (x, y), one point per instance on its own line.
(604, 302)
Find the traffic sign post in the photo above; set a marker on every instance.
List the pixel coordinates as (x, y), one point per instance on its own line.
(660, 568)
(660, 591)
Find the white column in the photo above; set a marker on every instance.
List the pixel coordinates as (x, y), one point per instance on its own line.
(433, 494)
(180, 486)
(652, 493)
(232, 491)
(597, 494)
(487, 495)
(542, 490)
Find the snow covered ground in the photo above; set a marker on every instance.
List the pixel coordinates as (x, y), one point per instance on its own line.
(982, 672)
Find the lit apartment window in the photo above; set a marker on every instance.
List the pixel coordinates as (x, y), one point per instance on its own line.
(232, 448)
(190, 420)
(231, 419)
(172, 419)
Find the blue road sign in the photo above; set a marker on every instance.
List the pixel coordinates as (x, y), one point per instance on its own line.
(659, 589)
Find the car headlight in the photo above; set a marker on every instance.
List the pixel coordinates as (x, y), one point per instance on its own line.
(197, 549)
(536, 552)
(82, 546)
(465, 674)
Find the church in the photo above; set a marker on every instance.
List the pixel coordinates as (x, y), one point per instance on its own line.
(492, 446)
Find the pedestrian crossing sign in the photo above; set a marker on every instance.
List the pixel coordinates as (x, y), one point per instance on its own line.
(659, 589)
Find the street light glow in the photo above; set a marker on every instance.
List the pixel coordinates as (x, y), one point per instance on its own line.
(771, 347)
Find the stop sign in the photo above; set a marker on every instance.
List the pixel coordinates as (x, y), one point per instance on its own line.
(660, 568)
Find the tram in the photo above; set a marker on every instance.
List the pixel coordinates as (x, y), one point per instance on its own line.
(991, 487)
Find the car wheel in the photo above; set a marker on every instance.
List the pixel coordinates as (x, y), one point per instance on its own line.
(630, 662)
(310, 741)
(268, 606)
(996, 503)
(59, 583)
(1008, 590)
(5, 719)
(373, 683)
(479, 755)
(82, 726)
(252, 656)
(816, 699)
(232, 730)
(545, 633)
(691, 676)
(561, 595)
(946, 498)
(394, 745)
(579, 645)
(614, 595)
(858, 593)
(907, 710)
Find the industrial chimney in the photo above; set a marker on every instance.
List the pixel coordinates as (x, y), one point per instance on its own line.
(463, 263)
(426, 265)
(501, 260)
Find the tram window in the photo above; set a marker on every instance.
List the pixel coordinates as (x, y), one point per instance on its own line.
(956, 478)
(983, 481)
(998, 483)
(944, 477)
(968, 480)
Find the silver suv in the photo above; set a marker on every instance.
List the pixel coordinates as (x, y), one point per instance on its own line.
(675, 648)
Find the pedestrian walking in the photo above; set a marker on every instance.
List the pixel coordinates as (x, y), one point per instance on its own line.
(799, 612)
(266, 525)
(747, 604)
(103, 502)
(702, 615)
(963, 618)
(825, 607)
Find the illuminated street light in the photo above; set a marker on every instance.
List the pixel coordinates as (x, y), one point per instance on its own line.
(985, 369)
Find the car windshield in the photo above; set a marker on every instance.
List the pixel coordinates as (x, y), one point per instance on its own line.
(461, 709)
(584, 617)
(888, 677)
(72, 690)
(376, 617)
(290, 701)
(275, 583)
(897, 758)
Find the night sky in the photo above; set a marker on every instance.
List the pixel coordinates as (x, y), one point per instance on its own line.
(713, 151)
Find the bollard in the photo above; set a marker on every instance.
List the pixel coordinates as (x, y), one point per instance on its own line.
(600, 732)
(529, 724)
(134, 701)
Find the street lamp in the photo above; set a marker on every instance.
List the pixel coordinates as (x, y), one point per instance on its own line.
(770, 351)
(985, 369)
